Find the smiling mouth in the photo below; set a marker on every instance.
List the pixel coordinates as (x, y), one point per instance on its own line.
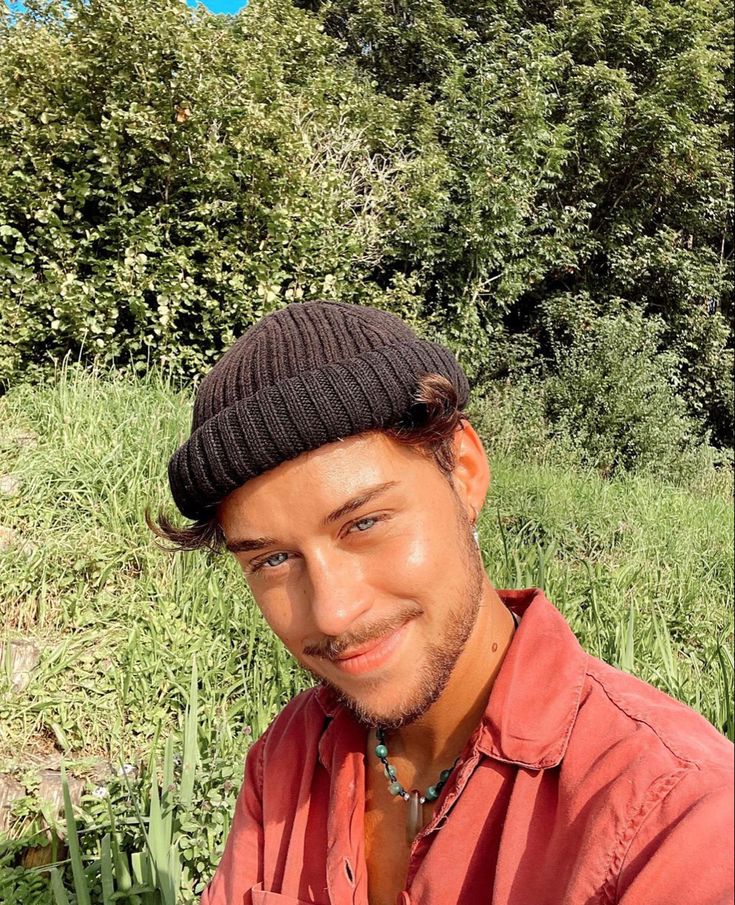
(371, 655)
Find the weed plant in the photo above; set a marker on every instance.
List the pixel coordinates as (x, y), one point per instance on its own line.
(641, 567)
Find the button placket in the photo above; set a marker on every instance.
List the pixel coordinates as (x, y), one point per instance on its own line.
(452, 793)
(463, 771)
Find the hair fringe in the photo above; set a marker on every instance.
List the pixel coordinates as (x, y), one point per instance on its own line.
(204, 534)
(432, 421)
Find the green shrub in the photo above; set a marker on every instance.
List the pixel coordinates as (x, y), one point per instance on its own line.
(589, 148)
(611, 397)
(167, 176)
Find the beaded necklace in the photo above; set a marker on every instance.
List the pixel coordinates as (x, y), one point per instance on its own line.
(414, 818)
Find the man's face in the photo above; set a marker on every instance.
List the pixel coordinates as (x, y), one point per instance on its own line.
(360, 556)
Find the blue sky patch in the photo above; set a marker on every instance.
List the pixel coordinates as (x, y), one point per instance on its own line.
(228, 7)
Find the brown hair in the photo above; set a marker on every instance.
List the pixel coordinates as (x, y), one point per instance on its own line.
(429, 425)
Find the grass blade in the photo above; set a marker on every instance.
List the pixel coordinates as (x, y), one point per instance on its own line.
(106, 873)
(167, 809)
(120, 860)
(143, 876)
(157, 842)
(81, 887)
(191, 751)
(57, 887)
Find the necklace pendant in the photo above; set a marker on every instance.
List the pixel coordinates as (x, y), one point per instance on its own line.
(414, 817)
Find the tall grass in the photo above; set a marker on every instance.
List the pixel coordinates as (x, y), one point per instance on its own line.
(642, 569)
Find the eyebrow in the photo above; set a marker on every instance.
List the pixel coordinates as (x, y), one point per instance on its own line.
(357, 501)
(246, 545)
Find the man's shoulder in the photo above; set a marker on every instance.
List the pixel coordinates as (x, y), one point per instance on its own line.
(636, 757)
(650, 776)
(635, 717)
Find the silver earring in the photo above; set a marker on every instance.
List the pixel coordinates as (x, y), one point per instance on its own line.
(475, 533)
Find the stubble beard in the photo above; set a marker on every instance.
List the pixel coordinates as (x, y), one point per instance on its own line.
(439, 659)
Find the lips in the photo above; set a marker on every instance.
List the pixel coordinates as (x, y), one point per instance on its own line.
(373, 654)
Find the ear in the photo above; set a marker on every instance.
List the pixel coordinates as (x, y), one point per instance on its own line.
(471, 475)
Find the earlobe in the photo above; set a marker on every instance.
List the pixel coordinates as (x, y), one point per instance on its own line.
(471, 475)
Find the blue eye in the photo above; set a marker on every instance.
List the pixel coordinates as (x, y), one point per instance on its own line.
(271, 562)
(364, 524)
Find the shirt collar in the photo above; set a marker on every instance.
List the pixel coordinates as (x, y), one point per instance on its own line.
(536, 695)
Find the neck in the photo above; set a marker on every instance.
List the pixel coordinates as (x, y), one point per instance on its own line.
(434, 740)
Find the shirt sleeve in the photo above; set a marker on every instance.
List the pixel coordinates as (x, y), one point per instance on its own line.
(683, 850)
(241, 866)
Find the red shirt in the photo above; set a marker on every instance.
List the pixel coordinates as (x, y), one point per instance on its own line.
(581, 785)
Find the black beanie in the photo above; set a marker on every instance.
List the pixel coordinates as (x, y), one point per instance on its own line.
(308, 374)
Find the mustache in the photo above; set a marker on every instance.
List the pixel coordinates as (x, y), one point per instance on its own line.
(333, 646)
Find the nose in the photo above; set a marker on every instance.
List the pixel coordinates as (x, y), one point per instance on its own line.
(339, 595)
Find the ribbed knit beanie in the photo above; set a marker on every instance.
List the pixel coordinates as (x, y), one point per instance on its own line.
(307, 374)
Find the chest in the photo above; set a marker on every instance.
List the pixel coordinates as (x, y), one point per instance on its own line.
(387, 858)
(387, 847)
(505, 838)
(387, 851)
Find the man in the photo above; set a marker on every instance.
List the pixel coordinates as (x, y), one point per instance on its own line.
(461, 747)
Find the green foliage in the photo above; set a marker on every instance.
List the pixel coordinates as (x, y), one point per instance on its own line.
(609, 402)
(152, 839)
(588, 154)
(611, 396)
(167, 176)
(127, 618)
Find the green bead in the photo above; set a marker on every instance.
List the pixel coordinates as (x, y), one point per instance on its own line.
(432, 793)
(395, 788)
(381, 751)
(389, 771)
(444, 775)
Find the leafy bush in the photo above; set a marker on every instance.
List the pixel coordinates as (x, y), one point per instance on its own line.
(167, 176)
(612, 398)
(589, 149)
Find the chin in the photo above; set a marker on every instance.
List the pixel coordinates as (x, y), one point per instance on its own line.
(376, 710)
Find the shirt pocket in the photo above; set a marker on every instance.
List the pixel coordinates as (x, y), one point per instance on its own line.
(262, 896)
